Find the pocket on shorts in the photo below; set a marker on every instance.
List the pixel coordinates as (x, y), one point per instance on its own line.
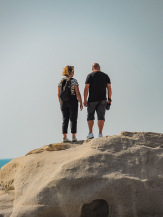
(103, 102)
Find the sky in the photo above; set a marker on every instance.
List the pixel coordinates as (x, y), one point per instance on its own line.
(38, 38)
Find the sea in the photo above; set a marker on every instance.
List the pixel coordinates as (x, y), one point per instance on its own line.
(4, 161)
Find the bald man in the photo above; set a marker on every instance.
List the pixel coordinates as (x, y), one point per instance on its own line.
(96, 84)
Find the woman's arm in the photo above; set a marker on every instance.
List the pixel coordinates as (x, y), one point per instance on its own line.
(58, 95)
(79, 96)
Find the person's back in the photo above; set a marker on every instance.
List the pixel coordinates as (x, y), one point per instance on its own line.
(98, 83)
(68, 96)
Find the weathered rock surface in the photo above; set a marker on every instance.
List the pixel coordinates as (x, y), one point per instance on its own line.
(116, 176)
(6, 204)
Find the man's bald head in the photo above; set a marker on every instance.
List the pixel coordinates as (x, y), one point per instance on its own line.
(96, 67)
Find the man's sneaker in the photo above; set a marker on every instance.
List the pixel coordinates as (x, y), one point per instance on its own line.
(65, 139)
(74, 139)
(90, 136)
(100, 135)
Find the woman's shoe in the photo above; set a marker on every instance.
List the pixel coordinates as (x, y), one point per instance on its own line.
(65, 139)
(100, 135)
(74, 139)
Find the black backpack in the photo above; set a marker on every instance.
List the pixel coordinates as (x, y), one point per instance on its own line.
(65, 90)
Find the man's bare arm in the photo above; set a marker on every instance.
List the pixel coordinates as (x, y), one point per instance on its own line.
(109, 91)
(86, 89)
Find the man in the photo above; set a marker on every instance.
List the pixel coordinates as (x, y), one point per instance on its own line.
(96, 84)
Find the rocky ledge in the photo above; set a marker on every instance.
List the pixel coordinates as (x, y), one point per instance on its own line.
(114, 176)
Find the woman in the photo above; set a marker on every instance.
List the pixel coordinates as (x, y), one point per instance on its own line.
(69, 108)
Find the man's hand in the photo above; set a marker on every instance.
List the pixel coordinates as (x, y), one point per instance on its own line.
(109, 102)
(85, 103)
(81, 107)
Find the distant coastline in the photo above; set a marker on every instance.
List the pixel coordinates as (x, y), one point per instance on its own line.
(4, 161)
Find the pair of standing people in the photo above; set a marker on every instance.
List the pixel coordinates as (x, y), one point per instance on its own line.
(95, 99)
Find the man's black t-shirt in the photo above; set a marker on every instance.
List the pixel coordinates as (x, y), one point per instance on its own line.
(98, 82)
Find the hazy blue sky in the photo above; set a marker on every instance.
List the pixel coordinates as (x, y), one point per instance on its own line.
(39, 37)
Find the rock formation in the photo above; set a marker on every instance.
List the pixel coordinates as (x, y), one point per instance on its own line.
(115, 176)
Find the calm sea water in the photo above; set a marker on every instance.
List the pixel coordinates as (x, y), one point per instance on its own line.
(4, 161)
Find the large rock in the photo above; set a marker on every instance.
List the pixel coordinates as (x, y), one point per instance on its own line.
(116, 176)
(6, 204)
